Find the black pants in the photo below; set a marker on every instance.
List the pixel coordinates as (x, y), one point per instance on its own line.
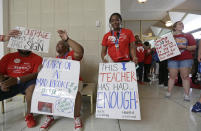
(163, 73)
(147, 68)
(140, 70)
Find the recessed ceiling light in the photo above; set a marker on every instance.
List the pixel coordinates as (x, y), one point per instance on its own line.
(142, 1)
(168, 23)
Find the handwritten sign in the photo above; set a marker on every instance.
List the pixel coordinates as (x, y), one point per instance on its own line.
(166, 47)
(30, 39)
(56, 87)
(117, 96)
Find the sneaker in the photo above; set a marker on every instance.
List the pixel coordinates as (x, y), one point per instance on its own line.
(186, 97)
(31, 122)
(160, 85)
(168, 94)
(196, 107)
(47, 123)
(78, 124)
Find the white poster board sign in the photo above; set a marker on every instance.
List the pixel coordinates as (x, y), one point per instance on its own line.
(166, 47)
(117, 96)
(30, 39)
(56, 87)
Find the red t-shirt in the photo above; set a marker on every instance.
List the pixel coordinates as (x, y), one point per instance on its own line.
(140, 52)
(122, 53)
(148, 56)
(184, 39)
(70, 56)
(15, 65)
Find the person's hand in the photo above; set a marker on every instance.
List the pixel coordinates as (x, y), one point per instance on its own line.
(13, 33)
(105, 61)
(181, 46)
(5, 85)
(63, 34)
(135, 59)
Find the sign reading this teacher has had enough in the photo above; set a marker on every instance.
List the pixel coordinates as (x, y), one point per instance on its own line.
(30, 39)
(56, 87)
(166, 47)
(117, 96)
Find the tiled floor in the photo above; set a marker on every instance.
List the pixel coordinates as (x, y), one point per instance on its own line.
(158, 114)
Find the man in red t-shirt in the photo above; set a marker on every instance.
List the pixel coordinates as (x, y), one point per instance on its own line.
(18, 72)
(140, 56)
(77, 52)
(147, 61)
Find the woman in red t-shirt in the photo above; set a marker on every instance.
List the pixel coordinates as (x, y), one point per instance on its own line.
(183, 62)
(118, 44)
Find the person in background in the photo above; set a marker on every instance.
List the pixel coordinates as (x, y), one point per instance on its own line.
(12, 33)
(183, 62)
(140, 56)
(64, 52)
(147, 61)
(118, 44)
(197, 105)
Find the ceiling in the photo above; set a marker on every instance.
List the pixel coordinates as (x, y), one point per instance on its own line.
(154, 13)
(151, 10)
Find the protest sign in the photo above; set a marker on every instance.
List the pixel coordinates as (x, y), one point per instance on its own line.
(30, 39)
(166, 47)
(117, 96)
(56, 87)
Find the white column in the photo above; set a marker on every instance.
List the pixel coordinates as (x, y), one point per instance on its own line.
(3, 24)
(111, 6)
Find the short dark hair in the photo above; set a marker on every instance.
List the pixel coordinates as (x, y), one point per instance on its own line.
(146, 43)
(117, 14)
(174, 25)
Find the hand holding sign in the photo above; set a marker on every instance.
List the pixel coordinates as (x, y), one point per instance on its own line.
(63, 34)
(14, 33)
(30, 39)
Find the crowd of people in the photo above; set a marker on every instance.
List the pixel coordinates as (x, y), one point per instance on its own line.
(118, 45)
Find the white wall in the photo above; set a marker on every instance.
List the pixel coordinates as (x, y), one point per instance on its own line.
(111, 6)
(78, 17)
(3, 25)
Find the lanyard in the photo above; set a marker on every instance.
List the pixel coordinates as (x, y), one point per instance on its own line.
(64, 57)
(117, 38)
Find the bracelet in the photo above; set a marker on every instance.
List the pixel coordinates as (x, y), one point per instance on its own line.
(18, 80)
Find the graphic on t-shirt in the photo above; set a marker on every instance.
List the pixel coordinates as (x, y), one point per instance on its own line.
(181, 41)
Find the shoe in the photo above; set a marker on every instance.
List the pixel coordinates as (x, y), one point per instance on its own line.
(186, 97)
(160, 85)
(168, 94)
(31, 122)
(196, 107)
(47, 123)
(78, 124)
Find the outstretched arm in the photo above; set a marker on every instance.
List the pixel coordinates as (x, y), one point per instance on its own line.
(76, 47)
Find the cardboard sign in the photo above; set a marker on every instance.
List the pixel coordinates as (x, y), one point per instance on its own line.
(166, 47)
(56, 87)
(117, 96)
(30, 39)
